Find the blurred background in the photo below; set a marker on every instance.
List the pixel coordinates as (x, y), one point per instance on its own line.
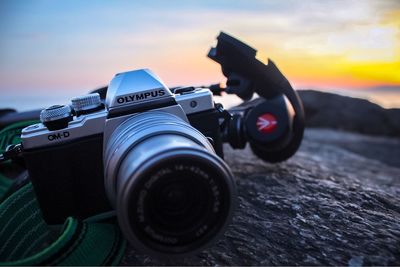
(53, 50)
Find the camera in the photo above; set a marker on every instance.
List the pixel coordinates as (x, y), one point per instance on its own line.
(155, 154)
(137, 154)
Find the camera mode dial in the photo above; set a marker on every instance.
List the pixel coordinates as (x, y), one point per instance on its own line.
(86, 103)
(56, 117)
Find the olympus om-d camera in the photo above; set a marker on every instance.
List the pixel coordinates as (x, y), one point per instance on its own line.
(139, 155)
(155, 155)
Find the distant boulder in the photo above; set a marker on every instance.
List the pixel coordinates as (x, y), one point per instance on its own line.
(327, 110)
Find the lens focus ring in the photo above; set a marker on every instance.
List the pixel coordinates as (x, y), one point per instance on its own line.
(137, 129)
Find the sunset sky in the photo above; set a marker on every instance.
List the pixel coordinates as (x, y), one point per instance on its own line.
(79, 45)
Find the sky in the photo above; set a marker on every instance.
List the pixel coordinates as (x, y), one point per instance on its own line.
(70, 47)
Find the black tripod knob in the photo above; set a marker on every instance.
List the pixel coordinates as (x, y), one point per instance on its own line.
(273, 130)
(268, 124)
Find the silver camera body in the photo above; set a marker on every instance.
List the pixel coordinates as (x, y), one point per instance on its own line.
(136, 153)
(128, 93)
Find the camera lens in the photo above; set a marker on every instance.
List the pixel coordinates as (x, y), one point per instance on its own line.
(180, 205)
(172, 194)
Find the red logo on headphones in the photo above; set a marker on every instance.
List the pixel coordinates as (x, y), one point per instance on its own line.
(267, 123)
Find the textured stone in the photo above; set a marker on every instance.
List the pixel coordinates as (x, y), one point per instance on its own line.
(347, 113)
(333, 203)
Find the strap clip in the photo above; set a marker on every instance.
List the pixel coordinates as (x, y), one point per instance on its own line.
(11, 152)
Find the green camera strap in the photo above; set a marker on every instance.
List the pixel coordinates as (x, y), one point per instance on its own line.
(25, 238)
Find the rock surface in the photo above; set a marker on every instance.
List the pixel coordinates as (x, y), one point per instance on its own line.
(334, 203)
(347, 113)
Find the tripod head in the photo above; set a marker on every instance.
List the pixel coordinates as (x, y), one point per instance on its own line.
(247, 75)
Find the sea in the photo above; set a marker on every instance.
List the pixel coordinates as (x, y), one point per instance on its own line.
(30, 101)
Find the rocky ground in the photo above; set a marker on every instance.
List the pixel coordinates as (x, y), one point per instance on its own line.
(336, 202)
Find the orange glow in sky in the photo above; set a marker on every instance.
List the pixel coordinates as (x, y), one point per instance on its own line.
(75, 46)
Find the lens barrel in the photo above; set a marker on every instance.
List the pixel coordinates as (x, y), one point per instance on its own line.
(172, 194)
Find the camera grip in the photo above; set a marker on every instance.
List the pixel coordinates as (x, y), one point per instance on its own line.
(68, 179)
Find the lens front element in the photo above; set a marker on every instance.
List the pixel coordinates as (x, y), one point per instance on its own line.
(180, 205)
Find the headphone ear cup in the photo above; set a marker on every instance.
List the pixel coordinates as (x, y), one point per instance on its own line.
(272, 129)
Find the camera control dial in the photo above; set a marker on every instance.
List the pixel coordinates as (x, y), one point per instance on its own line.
(86, 103)
(56, 117)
